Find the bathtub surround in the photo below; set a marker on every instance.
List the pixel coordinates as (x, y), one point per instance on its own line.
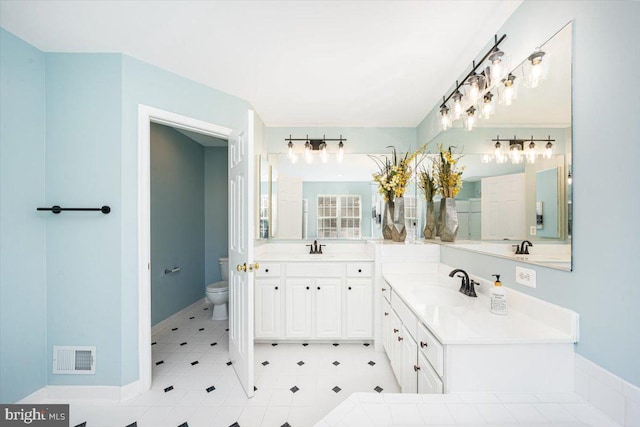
(177, 221)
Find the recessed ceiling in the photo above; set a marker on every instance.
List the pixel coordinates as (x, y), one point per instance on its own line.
(333, 63)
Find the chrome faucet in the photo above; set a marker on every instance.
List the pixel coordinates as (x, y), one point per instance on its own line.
(523, 249)
(467, 286)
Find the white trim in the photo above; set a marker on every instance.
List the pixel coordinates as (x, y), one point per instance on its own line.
(67, 393)
(185, 312)
(147, 115)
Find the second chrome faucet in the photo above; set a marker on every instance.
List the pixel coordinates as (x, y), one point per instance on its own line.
(315, 248)
(467, 286)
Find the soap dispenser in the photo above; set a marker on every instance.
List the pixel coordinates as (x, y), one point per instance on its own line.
(498, 297)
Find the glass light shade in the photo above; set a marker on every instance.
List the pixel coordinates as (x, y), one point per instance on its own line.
(548, 151)
(508, 90)
(457, 105)
(307, 152)
(471, 118)
(535, 69)
(323, 152)
(290, 150)
(487, 105)
(294, 158)
(531, 153)
(569, 179)
(340, 155)
(445, 120)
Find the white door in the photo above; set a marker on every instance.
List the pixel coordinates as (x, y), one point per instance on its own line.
(359, 311)
(241, 253)
(328, 308)
(289, 207)
(298, 308)
(268, 308)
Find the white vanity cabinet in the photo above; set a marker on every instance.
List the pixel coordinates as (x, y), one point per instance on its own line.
(314, 300)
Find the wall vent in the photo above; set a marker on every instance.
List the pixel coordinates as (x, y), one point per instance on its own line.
(77, 360)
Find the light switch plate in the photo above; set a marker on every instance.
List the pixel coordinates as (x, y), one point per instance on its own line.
(532, 230)
(526, 276)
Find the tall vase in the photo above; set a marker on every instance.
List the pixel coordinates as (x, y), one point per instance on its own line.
(398, 229)
(387, 220)
(430, 227)
(448, 225)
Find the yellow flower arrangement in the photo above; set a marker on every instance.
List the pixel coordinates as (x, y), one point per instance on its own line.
(394, 174)
(446, 172)
(427, 184)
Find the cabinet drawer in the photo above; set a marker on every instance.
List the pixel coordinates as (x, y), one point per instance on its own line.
(364, 269)
(431, 348)
(406, 316)
(386, 291)
(268, 270)
(314, 269)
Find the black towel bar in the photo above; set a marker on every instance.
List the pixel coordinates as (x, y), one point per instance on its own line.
(57, 209)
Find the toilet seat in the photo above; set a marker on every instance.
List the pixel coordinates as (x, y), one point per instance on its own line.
(217, 287)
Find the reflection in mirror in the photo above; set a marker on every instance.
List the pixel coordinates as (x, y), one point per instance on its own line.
(521, 195)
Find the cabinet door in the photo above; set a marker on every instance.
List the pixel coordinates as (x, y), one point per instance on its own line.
(428, 380)
(268, 306)
(386, 327)
(359, 308)
(298, 308)
(328, 308)
(409, 363)
(395, 345)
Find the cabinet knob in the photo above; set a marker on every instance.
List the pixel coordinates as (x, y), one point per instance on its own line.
(416, 368)
(318, 287)
(386, 314)
(423, 344)
(276, 288)
(359, 270)
(400, 338)
(307, 288)
(383, 289)
(266, 270)
(349, 287)
(395, 331)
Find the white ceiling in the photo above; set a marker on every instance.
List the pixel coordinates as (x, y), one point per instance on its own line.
(330, 63)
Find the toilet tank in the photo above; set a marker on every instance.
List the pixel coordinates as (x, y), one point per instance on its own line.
(224, 268)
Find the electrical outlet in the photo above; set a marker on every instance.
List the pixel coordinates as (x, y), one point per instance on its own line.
(526, 276)
(532, 230)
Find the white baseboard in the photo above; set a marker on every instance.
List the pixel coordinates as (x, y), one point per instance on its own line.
(609, 393)
(69, 393)
(159, 327)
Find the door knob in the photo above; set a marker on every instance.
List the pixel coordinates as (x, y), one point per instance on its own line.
(253, 267)
(242, 267)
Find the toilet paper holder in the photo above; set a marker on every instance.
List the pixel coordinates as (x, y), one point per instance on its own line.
(172, 270)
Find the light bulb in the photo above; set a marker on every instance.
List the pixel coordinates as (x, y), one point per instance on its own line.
(307, 152)
(471, 119)
(340, 152)
(509, 89)
(497, 69)
(515, 153)
(498, 150)
(290, 153)
(548, 150)
(531, 153)
(487, 107)
(323, 152)
(535, 71)
(457, 105)
(445, 121)
(476, 83)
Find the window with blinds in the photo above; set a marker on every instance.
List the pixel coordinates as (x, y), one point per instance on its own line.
(339, 216)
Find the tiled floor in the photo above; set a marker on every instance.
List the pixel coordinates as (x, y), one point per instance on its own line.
(193, 382)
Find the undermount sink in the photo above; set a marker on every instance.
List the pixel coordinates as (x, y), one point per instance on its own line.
(436, 295)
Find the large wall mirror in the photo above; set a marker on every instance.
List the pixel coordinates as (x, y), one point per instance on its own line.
(501, 203)
(507, 198)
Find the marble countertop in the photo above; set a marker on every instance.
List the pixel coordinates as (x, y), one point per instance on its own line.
(455, 318)
(466, 409)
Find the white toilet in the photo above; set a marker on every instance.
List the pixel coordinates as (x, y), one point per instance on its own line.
(218, 293)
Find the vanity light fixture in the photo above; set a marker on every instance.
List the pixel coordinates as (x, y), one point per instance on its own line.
(517, 151)
(312, 145)
(478, 83)
(535, 70)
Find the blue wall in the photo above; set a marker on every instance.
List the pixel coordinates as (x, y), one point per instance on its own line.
(602, 288)
(83, 169)
(311, 190)
(216, 211)
(177, 221)
(23, 301)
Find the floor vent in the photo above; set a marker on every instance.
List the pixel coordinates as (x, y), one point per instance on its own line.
(77, 360)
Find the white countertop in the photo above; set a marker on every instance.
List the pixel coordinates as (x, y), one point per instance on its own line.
(466, 409)
(341, 257)
(455, 318)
